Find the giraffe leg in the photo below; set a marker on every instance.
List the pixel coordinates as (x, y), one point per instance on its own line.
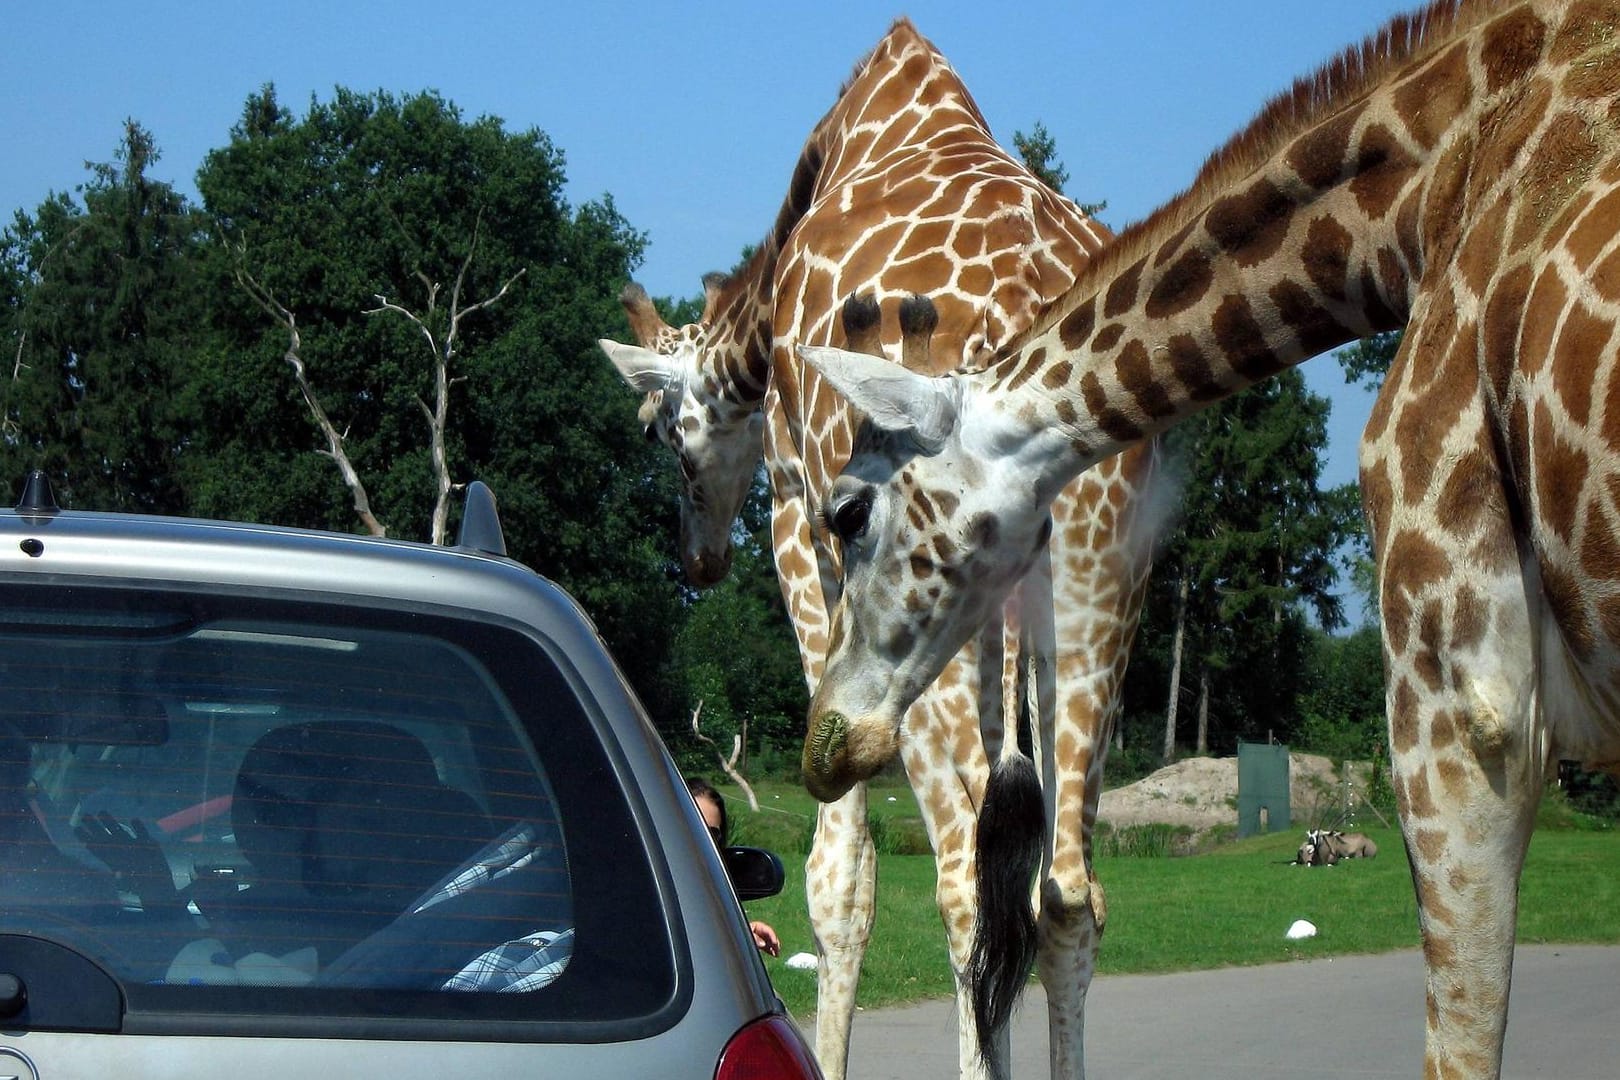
(945, 762)
(1071, 930)
(1069, 899)
(842, 878)
(1466, 640)
(1468, 775)
(1070, 925)
(1468, 780)
(1087, 628)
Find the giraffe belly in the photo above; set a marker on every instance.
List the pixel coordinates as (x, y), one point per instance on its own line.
(1580, 701)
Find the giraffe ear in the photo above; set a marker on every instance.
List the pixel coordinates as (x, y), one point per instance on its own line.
(894, 398)
(643, 369)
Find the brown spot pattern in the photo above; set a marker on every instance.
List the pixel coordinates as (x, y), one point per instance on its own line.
(1192, 370)
(1583, 343)
(1252, 225)
(1107, 338)
(1595, 230)
(1560, 473)
(1502, 322)
(1426, 663)
(1076, 327)
(1134, 370)
(1564, 602)
(1314, 326)
(1121, 295)
(1403, 720)
(1512, 47)
(1429, 100)
(1481, 252)
(1605, 277)
(1383, 168)
(1182, 285)
(1115, 424)
(1326, 257)
(1321, 155)
(1542, 312)
(1471, 494)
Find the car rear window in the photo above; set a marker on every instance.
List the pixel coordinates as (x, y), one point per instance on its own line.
(239, 807)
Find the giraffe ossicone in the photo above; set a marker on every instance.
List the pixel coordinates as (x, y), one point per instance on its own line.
(1458, 175)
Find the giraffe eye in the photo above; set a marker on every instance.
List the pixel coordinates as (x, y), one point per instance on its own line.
(848, 518)
(650, 433)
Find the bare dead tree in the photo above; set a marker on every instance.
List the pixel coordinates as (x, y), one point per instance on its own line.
(9, 427)
(334, 438)
(727, 765)
(443, 350)
(1176, 648)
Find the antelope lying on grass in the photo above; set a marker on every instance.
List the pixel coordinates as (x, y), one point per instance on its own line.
(1324, 847)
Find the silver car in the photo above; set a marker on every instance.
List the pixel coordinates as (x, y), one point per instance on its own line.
(281, 803)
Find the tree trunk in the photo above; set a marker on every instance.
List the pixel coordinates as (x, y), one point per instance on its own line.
(1175, 671)
(1203, 710)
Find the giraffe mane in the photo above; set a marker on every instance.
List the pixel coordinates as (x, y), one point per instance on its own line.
(1313, 97)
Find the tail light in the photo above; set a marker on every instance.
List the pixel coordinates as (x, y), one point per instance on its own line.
(770, 1048)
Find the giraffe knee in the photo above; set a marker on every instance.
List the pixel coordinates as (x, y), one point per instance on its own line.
(1486, 717)
(1067, 906)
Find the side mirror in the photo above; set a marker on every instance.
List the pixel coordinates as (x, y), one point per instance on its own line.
(754, 872)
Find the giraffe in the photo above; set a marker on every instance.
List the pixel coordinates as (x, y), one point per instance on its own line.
(1458, 175)
(703, 403)
(900, 187)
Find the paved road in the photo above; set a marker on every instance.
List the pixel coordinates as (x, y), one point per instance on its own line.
(1249, 1023)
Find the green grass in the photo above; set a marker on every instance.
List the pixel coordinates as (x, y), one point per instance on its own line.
(1227, 907)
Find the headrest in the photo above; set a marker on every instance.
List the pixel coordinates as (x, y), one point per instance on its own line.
(350, 809)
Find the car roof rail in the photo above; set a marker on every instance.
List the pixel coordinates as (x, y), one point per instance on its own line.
(481, 522)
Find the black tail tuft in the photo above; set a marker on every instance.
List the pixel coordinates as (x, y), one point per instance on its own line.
(1011, 826)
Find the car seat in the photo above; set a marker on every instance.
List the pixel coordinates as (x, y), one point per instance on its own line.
(346, 818)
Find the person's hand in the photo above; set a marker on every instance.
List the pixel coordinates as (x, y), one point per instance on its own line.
(130, 852)
(765, 938)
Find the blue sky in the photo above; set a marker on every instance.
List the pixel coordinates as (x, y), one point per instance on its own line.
(691, 116)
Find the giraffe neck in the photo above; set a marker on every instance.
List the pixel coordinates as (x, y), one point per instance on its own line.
(736, 356)
(1291, 244)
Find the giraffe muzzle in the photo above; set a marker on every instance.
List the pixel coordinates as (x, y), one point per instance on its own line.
(822, 749)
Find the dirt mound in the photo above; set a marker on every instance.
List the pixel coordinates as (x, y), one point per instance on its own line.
(1201, 793)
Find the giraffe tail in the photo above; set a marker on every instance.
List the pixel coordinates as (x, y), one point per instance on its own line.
(1011, 826)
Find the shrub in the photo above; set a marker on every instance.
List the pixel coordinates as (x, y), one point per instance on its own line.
(785, 834)
(1154, 841)
(1595, 794)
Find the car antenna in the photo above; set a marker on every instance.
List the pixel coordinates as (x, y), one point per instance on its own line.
(481, 522)
(37, 496)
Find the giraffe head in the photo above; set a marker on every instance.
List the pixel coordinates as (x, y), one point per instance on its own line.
(939, 512)
(715, 439)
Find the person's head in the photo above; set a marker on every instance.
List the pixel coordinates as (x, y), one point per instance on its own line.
(712, 807)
